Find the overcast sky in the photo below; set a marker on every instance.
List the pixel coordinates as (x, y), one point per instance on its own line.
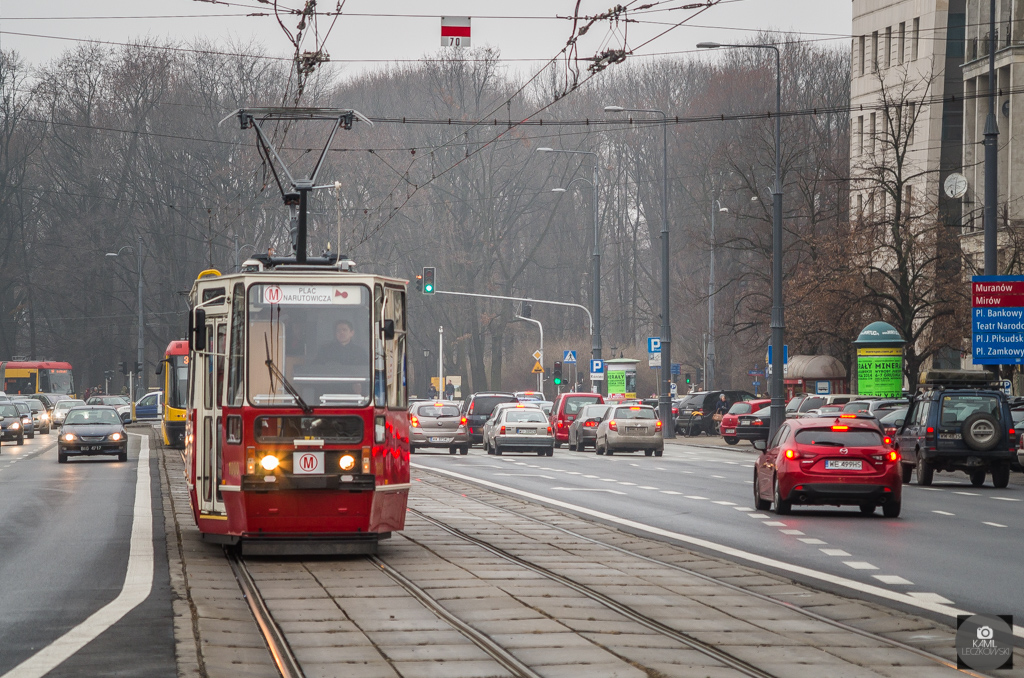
(412, 29)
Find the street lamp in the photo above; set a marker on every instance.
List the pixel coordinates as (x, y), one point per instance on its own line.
(141, 346)
(709, 368)
(665, 395)
(596, 302)
(778, 324)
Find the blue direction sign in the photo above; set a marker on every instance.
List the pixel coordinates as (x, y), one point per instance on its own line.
(677, 368)
(568, 356)
(997, 319)
(654, 344)
(756, 373)
(785, 354)
(757, 383)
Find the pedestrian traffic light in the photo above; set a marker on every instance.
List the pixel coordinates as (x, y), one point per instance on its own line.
(688, 379)
(556, 373)
(428, 280)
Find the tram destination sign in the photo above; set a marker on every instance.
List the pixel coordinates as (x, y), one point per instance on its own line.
(997, 319)
(312, 295)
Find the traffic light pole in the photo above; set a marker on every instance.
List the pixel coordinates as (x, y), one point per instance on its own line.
(540, 375)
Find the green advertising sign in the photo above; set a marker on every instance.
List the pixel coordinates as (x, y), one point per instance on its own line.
(880, 372)
(616, 382)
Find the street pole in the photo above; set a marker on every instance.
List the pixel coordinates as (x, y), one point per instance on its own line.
(141, 348)
(540, 375)
(595, 346)
(440, 360)
(991, 153)
(709, 368)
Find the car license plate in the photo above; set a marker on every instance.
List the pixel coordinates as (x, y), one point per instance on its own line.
(843, 464)
(92, 448)
(525, 431)
(949, 436)
(730, 430)
(439, 440)
(636, 429)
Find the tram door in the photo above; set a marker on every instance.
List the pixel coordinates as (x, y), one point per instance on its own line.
(207, 443)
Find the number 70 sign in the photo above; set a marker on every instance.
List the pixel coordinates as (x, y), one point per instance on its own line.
(455, 31)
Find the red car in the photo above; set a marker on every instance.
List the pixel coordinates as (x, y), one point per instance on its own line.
(732, 418)
(565, 409)
(833, 461)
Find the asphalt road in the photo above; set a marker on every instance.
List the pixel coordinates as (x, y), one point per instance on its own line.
(953, 544)
(64, 545)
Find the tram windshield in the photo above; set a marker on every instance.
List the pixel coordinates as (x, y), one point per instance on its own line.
(313, 340)
(177, 381)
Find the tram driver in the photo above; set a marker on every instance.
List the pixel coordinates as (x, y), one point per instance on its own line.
(343, 361)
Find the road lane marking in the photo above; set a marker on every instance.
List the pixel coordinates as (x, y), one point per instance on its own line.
(835, 552)
(944, 513)
(1006, 498)
(743, 508)
(774, 523)
(935, 598)
(585, 489)
(812, 540)
(925, 602)
(138, 582)
(968, 494)
(791, 532)
(591, 476)
(695, 496)
(931, 489)
(645, 487)
(669, 492)
(757, 515)
(621, 482)
(719, 477)
(724, 503)
(859, 565)
(893, 579)
(993, 524)
(526, 475)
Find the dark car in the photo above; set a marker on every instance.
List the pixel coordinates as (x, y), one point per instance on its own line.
(92, 429)
(478, 409)
(583, 429)
(697, 410)
(11, 427)
(27, 424)
(959, 421)
(754, 426)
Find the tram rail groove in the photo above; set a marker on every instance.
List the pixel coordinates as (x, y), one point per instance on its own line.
(704, 577)
(285, 661)
(706, 649)
(481, 640)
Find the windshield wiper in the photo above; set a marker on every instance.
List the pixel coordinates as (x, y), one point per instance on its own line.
(275, 372)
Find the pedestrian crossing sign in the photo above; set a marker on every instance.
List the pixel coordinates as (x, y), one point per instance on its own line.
(538, 368)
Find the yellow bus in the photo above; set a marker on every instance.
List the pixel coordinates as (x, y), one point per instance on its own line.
(174, 367)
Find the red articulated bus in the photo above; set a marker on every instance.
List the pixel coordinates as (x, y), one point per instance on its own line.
(297, 439)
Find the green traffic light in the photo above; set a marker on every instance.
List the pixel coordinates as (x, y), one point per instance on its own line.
(558, 381)
(428, 288)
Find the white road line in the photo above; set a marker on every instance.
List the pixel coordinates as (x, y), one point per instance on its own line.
(791, 532)
(774, 523)
(1006, 498)
(757, 515)
(944, 513)
(968, 494)
(622, 482)
(931, 489)
(893, 579)
(811, 540)
(936, 599)
(719, 477)
(992, 524)
(695, 496)
(585, 489)
(138, 582)
(835, 552)
(724, 503)
(743, 508)
(591, 476)
(645, 487)
(526, 475)
(923, 602)
(573, 473)
(669, 492)
(859, 565)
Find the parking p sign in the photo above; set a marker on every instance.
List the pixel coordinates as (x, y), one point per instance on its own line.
(654, 344)
(596, 370)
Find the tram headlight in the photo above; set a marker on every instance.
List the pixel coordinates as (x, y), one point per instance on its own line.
(347, 462)
(69, 437)
(269, 462)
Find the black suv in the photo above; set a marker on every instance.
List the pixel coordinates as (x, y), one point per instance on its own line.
(479, 408)
(697, 410)
(958, 421)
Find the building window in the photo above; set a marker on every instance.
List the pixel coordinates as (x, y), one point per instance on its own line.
(956, 35)
(901, 42)
(908, 200)
(914, 35)
(871, 132)
(860, 134)
(860, 205)
(888, 46)
(911, 122)
(861, 53)
(874, 52)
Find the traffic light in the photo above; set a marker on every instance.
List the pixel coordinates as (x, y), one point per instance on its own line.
(419, 283)
(556, 373)
(700, 375)
(428, 280)
(124, 368)
(688, 379)
(138, 368)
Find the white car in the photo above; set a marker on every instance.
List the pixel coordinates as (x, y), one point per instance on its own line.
(60, 410)
(520, 429)
(496, 414)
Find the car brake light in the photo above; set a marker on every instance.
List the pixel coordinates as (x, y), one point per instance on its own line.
(1012, 432)
(463, 421)
(590, 423)
(549, 429)
(560, 423)
(613, 426)
(840, 428)
(893, 456)
(634, 408)
(415, 421)
(847, 416)
(929, 433)
(471, 406)
(675, 410)
(887, 440)
(520, 406)
(502, 430)
(757, 422)
(657, 426)
(792, 454)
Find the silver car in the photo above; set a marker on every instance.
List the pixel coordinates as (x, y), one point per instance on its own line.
(583, 429)
(520, 429)
(487, 429)
(438, 423)
(629, 428)
(60, 410)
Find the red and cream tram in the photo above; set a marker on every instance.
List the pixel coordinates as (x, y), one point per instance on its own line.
(297, 436)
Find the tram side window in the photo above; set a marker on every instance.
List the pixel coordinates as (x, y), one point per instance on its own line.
(395, 350)
(222, 340)
(208, 367)
(379, 375)
(237, 359)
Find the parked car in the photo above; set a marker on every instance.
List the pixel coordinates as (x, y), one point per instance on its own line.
(27, 424)
(438, 424)
(754, 426)
(478, 409)
(40, 417)
(60, 410)
(151, 406)
(565, 410)
(731, 420)
(815, 461)
(92, 429)
(696, 411)
(119, 403)
(629, 428)
(877, 408)
(520, 429)
(813, 402)
(11, 427)
(959, 421)
(583, 430)
(893, 422)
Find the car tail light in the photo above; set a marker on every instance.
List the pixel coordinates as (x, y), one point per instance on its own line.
(462, 421)
(847, 416)
(929, 433)
(502, 430)
(894, 455)
(590, 423)
(675, 411)
(613, 426)
(657, 426)
(471, 406)
(634, 408)
(560, 423)
(792, 454)
(1012, 432)
(549, 429)
(840, 428)
(757, 422)
(414, 421)
(887, 440)
(890, 430)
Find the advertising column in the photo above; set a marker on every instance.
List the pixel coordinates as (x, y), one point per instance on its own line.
(880, 361)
